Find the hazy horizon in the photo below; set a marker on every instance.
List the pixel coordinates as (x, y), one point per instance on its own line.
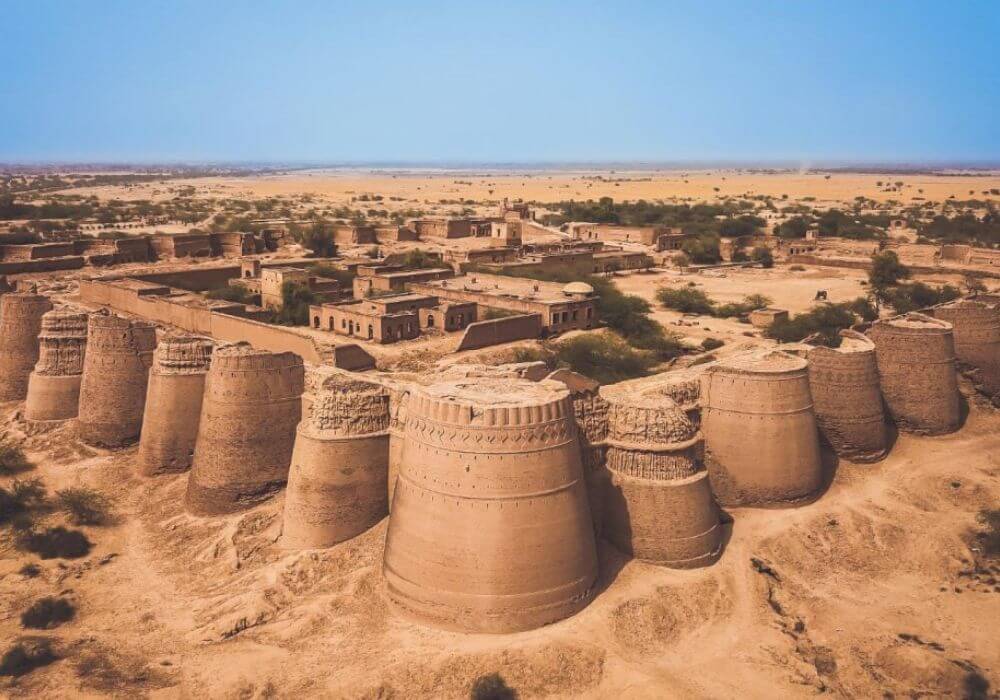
(520, 83)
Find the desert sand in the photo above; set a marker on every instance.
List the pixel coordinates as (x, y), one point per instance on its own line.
(868, 591)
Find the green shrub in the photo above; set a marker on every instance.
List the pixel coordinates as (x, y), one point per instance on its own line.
(295, 301)
(826, 320)
(235, 293)
(686, 300)
(47, 613)
(711, 344)
(904, 298)
(84, 506)
(30, 570)
(25, 655)
(606, 358)
(12, 459)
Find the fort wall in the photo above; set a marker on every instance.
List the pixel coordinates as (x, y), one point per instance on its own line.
(976, 328)
(54, 385)
(490, 530)
(761, 440)
(251, 407)
(483, 334)
(337, 484)
(844, 384)
(115, 375)
(20, 323)
(916, 365)
(660, 506)
(173, 405)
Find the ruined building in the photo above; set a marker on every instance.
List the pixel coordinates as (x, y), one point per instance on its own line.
(660, 506)
(251, 407)
(337, 482)
(976, 328)
(761, 441)
(916, 365)
(20, 323)
(848, 402)
(54, 385)
(173, 405)
(490, 530)
(115, 376)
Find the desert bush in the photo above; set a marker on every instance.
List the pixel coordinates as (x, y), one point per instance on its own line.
(54, 542)
(12, 459)
(605, 358)
(48, 613)
(826, 321)
(25, 655)
(988, 539)
(686, 300)
(762, 255)
(711, 344)
(796, 268)
(235, 293)
(492, 687)
(84, 506)
(30, 570)
(19, 501)
(917, 295)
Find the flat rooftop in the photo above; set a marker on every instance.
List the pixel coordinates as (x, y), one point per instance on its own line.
(504, 286)
(403, 274)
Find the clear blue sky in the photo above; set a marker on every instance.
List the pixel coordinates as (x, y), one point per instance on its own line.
(878, 80)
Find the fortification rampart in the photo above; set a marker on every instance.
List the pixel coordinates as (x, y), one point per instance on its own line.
(976, 328)
(173, 405)
(54, 384)
(490, 528)
(916, 365)
(220, 325)
(761, 440)
(482, 334)
(20, 323)
(337, 484)
(251, 407)
(115, 376)
(847, 399)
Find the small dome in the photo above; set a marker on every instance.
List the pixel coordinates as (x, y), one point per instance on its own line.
(578, 288)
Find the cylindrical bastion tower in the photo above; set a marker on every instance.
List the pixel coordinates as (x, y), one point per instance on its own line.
(660, 506)
(54, 385)
(173, 405)
(20, 323)
(847, 399)
(976, 327)
(252, 403)
(115, 375)
(916, 365)
(761, 441)
(337, 482)
(398, 398)
(490, 530)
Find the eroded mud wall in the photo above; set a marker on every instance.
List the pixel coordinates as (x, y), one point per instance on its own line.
(54, 384)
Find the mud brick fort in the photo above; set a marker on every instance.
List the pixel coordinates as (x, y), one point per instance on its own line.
(499, 482)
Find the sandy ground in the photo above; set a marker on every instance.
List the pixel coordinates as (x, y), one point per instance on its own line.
(871, 590)
(417, 188)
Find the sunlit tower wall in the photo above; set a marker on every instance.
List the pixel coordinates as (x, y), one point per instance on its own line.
(54, 384)
(761, 440)
(173, 405)
(20, 323)
(490, 529)
(916, 365)
(115, 376)
(848, 400)
(251, 407)
(337, 484)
